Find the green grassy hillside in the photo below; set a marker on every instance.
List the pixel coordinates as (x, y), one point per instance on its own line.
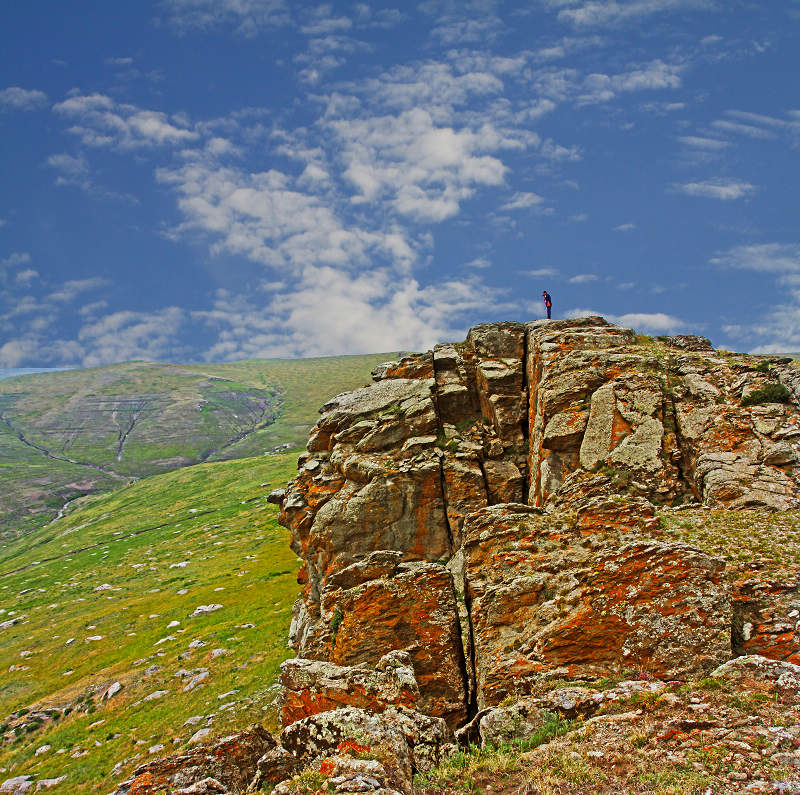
(109, 593)
(76, 432)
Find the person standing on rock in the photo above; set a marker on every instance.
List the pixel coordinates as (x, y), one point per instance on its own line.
(548, 302)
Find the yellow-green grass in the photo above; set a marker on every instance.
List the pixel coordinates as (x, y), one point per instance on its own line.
(215, 517)
(746, 539)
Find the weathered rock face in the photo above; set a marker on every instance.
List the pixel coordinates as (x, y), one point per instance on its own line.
(767, 618)
(413, 511)
(311, 686)
(549, 599)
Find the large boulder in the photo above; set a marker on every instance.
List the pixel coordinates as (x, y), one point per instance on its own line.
(401, 740)
(313, 686)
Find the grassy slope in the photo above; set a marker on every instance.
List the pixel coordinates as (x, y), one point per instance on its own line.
(215, 517)
(176, 415)
(212, 516)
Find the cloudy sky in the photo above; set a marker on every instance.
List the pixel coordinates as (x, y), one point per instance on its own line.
(189, 180)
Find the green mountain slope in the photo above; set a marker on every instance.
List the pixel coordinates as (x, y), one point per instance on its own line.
(110, 593)
(75, 432)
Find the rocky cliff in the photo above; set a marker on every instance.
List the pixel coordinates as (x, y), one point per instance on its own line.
(489, 507)
(493, 515)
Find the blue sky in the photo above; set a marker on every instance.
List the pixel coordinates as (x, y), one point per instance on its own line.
(189, 180)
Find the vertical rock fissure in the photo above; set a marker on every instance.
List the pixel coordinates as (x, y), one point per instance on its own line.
(450, 539)
(470, 670)
(669, 401)
(485, 481)
(532, 470)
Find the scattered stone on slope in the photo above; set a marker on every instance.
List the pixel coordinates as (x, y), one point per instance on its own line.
(230, 760)
(17, 785)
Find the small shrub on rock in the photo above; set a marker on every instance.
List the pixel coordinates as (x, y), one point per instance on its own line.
(769, 393)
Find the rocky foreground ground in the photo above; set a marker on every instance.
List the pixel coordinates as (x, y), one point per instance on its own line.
(557, 557)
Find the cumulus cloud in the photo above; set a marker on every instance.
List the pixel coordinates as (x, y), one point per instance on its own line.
(123, 336)
(652, 76)
(426, 170)
(478, 262)
(268, 219)
(624, 228)
(16, 98)
(71, 170)
(347, 313)
(100, 121)
(724, 189)
(583, 278)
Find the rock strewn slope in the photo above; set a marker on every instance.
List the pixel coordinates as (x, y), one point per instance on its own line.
(488, 507)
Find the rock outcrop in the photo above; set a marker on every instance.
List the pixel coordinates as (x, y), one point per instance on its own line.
(489, 507)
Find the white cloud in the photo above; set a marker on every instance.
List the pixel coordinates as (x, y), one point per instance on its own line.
(71, 170)
(92, 309)
(724, 189)
(123, 336)
(426, 170)
(73, 288)
(778, 329)
(649, 322)
(35, 350)
(700, 142)
(16, 98)
(624, 228)
(583, 278)
(522, 201)
(743, 129)
(347, 313)
(15, 258)
(540, 272)
(652, 76)
(100, 121)
(779, 258)
(656, 322)
(478, 262)
(245, 16)
(266, 218)
(26, 276)
(597, 13)
(121, 61)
